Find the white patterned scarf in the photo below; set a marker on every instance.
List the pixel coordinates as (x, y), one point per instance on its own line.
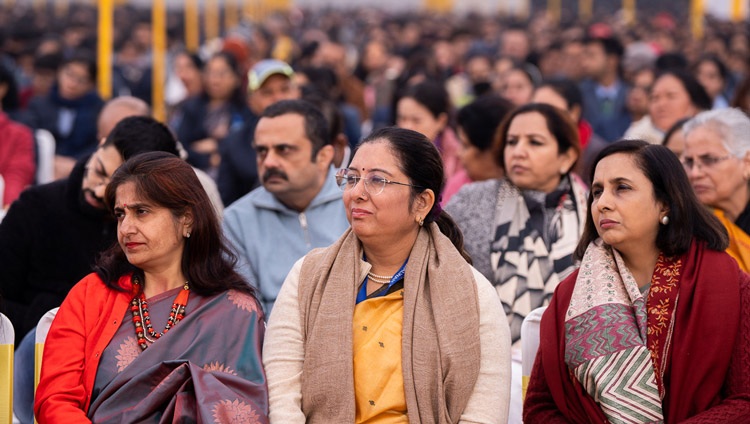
(535, 237)
(606, 329)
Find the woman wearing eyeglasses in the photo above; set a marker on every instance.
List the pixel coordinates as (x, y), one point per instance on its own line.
(717, 161)
(390, 323)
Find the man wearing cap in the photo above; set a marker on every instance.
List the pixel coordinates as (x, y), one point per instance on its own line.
(269, 81)
(299, 206)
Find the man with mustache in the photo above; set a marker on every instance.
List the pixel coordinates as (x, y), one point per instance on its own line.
(297, 208)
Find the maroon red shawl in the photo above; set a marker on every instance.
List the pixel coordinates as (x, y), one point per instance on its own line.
(705, 372)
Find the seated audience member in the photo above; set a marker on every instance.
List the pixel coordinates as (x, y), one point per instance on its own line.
(426, 108)
(716, 158)
(52, 234)
(69, 112)
(202, 121)
(103, 358)
(674, 138)
(390, 323)
(270, 81)
(477, 123)
(624, 338)
(675, 95)
(520, 230)
(297, 208)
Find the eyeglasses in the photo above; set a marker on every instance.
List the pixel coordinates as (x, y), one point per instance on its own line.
(374, 184)
(703, 162)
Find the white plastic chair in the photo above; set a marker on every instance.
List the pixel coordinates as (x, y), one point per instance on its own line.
(7, 336)
(41, 336)
(45, 146)
(530, 343)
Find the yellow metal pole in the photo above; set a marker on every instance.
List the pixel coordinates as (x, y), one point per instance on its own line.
(212, 19)
(159, 49)
(696, 18)
(554, 10)
(585, 9)
(736, 10)
(104, 49)
(628, 7)
(438, 6)
(231, 14)
(192, 26)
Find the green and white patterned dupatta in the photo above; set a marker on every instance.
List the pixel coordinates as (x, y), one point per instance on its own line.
(606, 339)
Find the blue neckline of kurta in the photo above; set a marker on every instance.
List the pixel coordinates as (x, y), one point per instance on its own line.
(398, 276)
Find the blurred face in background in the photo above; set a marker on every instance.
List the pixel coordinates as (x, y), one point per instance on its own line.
(708, 75)
(669, 102)
(189, 74)
(74, 81)
(413, 115)
(517, 87)
(220, 79)
(638, 97)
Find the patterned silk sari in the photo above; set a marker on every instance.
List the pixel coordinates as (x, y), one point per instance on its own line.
(206, 369)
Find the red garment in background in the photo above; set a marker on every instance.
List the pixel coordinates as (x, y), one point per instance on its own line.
(707, 376)
(17, 157)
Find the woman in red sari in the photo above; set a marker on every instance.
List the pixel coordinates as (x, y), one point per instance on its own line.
(653, 325)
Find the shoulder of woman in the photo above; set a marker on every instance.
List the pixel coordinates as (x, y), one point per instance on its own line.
(472, 192)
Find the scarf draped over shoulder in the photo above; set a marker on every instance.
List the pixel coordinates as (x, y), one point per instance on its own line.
(440, 339)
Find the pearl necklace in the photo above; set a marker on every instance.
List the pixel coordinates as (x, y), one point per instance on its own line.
(379, 279)
(141, 317)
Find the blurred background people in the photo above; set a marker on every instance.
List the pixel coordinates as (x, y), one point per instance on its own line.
(426, 108)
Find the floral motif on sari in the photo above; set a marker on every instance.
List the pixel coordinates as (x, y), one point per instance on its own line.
(235, 412)
(219, 367)
(242, 300)
(126, 353)
(661, 304)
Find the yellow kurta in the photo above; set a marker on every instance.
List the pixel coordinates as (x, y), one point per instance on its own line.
(739, 242)
(378, 378)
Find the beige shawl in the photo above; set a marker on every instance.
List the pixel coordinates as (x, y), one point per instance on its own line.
(440, 339)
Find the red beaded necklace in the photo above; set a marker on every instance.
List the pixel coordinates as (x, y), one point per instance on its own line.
(141, 317)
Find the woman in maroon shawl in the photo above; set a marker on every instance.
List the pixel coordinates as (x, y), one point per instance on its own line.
(653, 326)
(104, 361)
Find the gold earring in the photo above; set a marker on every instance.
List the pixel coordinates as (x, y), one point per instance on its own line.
(420, 221)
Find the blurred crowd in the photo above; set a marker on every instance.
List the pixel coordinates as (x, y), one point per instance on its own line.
(365, 61)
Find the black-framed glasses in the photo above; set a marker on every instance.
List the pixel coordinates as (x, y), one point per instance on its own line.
(374, 184)
(703, 162)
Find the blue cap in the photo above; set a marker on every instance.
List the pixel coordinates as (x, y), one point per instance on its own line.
(264, 69)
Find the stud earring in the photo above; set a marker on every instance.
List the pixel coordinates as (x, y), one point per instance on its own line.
(665, 220)
(420, 221)
(187, 235)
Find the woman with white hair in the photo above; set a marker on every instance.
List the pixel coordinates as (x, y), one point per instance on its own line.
(717, 161)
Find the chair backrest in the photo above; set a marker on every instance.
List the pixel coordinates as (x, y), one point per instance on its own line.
(45, 148)
(530, 343)
(41, 335)
(7, 335)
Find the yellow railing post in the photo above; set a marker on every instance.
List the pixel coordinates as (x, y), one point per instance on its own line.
(736, 12)
(696, 18)
(585, 10)
(211, 14)
(628, 8)
(554, 10)
(231, 14)
(159, 49)
(104, 49)
(192, 26)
